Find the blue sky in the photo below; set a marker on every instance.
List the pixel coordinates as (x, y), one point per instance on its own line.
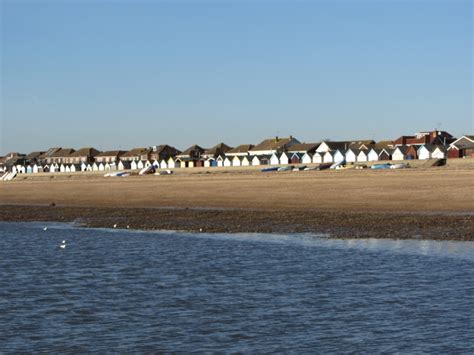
(118, 74)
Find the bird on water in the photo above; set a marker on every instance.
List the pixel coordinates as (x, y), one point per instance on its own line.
(63, 245)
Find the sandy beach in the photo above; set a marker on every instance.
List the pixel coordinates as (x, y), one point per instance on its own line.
(435, 203)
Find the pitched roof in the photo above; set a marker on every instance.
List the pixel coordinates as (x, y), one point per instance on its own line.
(383, 144)
(63, 152)
(243, 148)
(111, 153)
(303, 147)
(194, 148)
(272, 144)
(85, 152)
(159, 149)
(218, 149)
(136, 151)
(34, 155)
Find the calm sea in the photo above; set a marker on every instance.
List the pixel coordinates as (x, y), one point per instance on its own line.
(125, 291)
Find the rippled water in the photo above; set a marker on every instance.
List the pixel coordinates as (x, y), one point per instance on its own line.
(140, 291)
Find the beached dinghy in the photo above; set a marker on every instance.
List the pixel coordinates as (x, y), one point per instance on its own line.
(381, 166)
(269, 170)
(399, 166)
(299, 168)
(164, 172)
(285, 168)
(323, 166)
(339, 163)
(147, 170)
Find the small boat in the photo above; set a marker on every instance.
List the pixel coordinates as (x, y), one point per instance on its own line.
(147, 170)
(269, 170)
(299, 168)
(381, 166)
(285, 168)
(164, 172)
(311, 168)
(399, 166)
(323, 166)
(339, 163)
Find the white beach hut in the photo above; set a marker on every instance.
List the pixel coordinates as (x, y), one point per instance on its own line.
(220, 161)
(362, 156)
(246, 161)
(171, 163)
(284, 159)
(83, 166)
(163, 164)
(227, 162)
(318, 158)
(351, 155)
(328, 157)
(236, 161)
(256, 161)
(373, 155)
(424, 152)
(307, 158)
(134, 165)
(439, 153)
(62, 168)
(274, 160)
(101, 167)
(95, 167)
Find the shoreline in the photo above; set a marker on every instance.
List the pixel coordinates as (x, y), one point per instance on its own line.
(336, 224)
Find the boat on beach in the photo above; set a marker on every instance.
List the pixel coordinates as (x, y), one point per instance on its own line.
(285, 168)
(269, 170)
(381, 166)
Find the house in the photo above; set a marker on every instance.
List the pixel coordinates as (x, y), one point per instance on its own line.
(83, 155)
(214, 152)
(462, 147)
(43, 158)
(241, 150)
(162, 152)
(273, 146)
(432, 137)
(111, 156)
(60, 156)
(191, 157)
(274, 159)
(33, 157)
(136, 154)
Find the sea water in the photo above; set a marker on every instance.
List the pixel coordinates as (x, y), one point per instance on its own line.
(124, 291)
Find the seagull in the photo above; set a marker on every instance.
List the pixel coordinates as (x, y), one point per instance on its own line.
(63, 245)
(115, 225)
(45, 228)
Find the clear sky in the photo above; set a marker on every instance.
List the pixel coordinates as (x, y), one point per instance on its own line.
(123, 74)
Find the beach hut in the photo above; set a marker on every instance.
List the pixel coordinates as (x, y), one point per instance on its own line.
(68, 168)
(351, 155)
(339, 156)
(296, 158)
(236, 161)
(227, 162)
(124, 165)
(172, 163)
(101, 167)
(140, 164)
(373, 155)
(256, 161)
(307, 158)
(107, 166)
(246, 161)
(83, 166)
(156, 164)
(385, 154)
(362, 156)
(424, 152)
(75, 168)
(328, 157)
(210, 162)
(400, 153)
(95, 166)
(439, 152)
(318, 157)
(220, 161)
(163, 164)
(284, 159)
(62, 168)
(134, 165)
(274, 160)
(89, 167)
(35, 169)
(29, 169)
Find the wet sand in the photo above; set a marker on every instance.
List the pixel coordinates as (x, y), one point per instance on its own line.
(412, 203)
